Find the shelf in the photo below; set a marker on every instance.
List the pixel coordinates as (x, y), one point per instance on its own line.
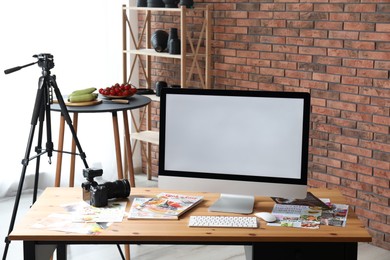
(147, 136)
(153, 97)
(163, 9)
(152, 52)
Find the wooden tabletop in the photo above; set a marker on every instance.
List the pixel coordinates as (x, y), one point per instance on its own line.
(165, 231)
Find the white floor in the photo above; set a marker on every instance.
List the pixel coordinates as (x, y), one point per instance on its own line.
(145, 252)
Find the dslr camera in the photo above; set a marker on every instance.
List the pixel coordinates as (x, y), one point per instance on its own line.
(99, 194)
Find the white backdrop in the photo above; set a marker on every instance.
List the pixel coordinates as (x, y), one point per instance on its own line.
(85, 39)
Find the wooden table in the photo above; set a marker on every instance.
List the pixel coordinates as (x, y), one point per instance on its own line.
(264, 242)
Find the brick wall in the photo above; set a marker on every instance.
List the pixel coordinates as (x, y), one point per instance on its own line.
(339, 51)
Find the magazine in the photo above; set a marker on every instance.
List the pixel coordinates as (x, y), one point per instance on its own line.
(297, 216)
(162, 206)
(136, 212)
(300, 216)
(310, 200)
(336, 216)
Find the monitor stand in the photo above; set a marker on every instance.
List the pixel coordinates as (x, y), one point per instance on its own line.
(234, 204)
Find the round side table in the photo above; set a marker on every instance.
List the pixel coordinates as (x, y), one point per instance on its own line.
(107, 106)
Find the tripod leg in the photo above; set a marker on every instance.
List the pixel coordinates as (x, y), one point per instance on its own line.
(65, 114)
(15, 210)
(36, 114)
(44, 111)
(38, 150)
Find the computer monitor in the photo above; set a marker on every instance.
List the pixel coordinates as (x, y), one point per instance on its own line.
(238, 143)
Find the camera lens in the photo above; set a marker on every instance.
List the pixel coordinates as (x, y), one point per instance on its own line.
(118, 189)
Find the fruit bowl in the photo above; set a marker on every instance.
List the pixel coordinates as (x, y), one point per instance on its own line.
(118, 91)
(116, 97)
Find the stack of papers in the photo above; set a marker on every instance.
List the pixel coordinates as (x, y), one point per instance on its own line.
(82, 218)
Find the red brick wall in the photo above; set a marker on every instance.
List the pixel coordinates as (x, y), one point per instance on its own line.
(339, 51)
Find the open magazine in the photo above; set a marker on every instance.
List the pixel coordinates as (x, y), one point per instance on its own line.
(300, 216)
(162, 206)
(296, 216)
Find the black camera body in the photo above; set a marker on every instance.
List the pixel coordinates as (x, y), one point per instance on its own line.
(99, 194)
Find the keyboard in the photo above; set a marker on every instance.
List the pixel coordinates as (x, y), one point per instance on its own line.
(223, 221)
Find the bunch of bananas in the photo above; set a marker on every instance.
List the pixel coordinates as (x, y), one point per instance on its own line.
(83, 95)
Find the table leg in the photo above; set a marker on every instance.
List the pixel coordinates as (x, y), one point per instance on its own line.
(61, 134)
(305, 251)
(117, 145)
(61, 252)
(57, 181)
(127, 252)
(73, 155)
(128, 151)
(34, 251)
(129, 165)
(29, 250)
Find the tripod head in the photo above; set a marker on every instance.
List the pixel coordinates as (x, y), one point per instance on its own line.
(45, 61)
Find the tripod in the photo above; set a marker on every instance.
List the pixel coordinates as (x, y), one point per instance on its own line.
(43, 100)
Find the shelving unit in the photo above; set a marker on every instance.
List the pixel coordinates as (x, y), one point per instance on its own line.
(144, 48)
(139, 47)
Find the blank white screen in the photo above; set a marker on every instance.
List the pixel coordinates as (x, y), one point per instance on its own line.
(255, 136)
